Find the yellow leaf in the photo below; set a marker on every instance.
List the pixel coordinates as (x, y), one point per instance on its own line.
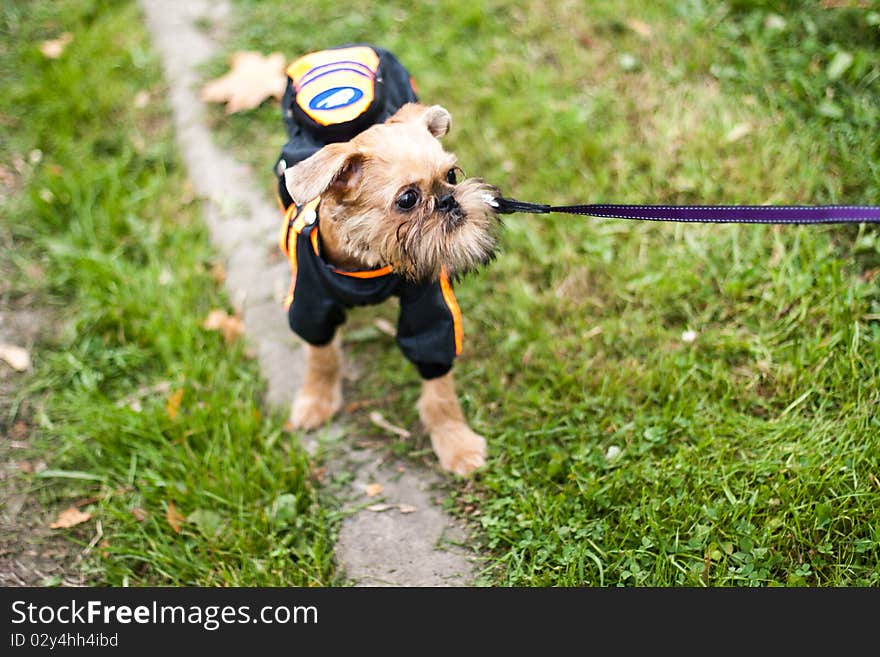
(174, 517)
(252, 79)
(373, 489)
(141, 99)
(639, 27)
(53, 48)
(230, 325)
(218, 272)
(386, 327)
(172, 406)
(738, 131)
(17, 357)
(214, 320)
(70, 517)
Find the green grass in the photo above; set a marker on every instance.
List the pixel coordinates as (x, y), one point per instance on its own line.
(748, 456)
(102, 227)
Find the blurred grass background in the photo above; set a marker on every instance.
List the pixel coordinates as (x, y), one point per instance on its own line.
(665, 405)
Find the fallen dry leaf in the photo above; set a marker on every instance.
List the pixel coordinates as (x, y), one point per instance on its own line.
(377, 419)
(220, 320)
(53, 48)
(214, 320)
(139, 514)
(7, 178)
(70, 517)
(141, 98)
(738, 132)
(19, 430)
(218, 273)
(373, 489)
(319, 474)
(91, 499)
(587, 42)
(639, 27)
(385, 326)
(172, 406)
(358, 404)
(403, 508)
(17, 357)
(252, 79)
(174, 517)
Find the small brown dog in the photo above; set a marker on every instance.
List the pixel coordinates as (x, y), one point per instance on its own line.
(391, 213)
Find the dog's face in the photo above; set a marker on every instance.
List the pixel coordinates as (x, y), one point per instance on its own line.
(393, 197)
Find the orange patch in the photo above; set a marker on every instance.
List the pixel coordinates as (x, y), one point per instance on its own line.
(335, 86)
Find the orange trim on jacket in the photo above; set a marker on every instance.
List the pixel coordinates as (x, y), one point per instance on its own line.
(360, 273)
(452, 304)
(294, 222)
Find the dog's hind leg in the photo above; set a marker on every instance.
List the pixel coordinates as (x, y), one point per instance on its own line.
(458, 448)
(321, 394)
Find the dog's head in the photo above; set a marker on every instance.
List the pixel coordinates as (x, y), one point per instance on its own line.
(394, 198)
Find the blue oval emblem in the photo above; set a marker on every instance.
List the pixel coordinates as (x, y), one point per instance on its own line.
(335, 98)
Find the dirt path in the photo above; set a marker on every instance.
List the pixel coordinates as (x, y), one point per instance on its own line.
(375, 548)
(31, 554)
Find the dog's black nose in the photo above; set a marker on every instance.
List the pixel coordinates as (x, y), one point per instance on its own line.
(447, 203)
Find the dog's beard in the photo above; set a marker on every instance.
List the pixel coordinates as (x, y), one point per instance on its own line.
(427, 241)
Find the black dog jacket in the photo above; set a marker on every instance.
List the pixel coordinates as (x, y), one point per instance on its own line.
(331, 96)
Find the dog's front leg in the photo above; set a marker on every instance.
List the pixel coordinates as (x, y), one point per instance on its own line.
(321, 393)
(457, 447)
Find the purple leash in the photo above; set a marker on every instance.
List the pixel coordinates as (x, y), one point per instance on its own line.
(713, 214)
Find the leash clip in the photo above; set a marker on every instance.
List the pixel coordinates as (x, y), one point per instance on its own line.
(509, 206)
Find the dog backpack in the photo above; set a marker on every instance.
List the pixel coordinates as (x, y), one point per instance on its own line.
(332, 95)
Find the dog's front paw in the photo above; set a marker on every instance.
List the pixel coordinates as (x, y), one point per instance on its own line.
(458, 449)
(311, 410)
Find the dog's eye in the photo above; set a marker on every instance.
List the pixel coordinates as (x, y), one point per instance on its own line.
(451, 177)
(408, 200)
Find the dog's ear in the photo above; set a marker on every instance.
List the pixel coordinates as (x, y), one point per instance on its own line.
(435, 118)
(438, 120)
(336, 166)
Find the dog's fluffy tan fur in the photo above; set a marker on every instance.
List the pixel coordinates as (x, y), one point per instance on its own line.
(365, 186)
